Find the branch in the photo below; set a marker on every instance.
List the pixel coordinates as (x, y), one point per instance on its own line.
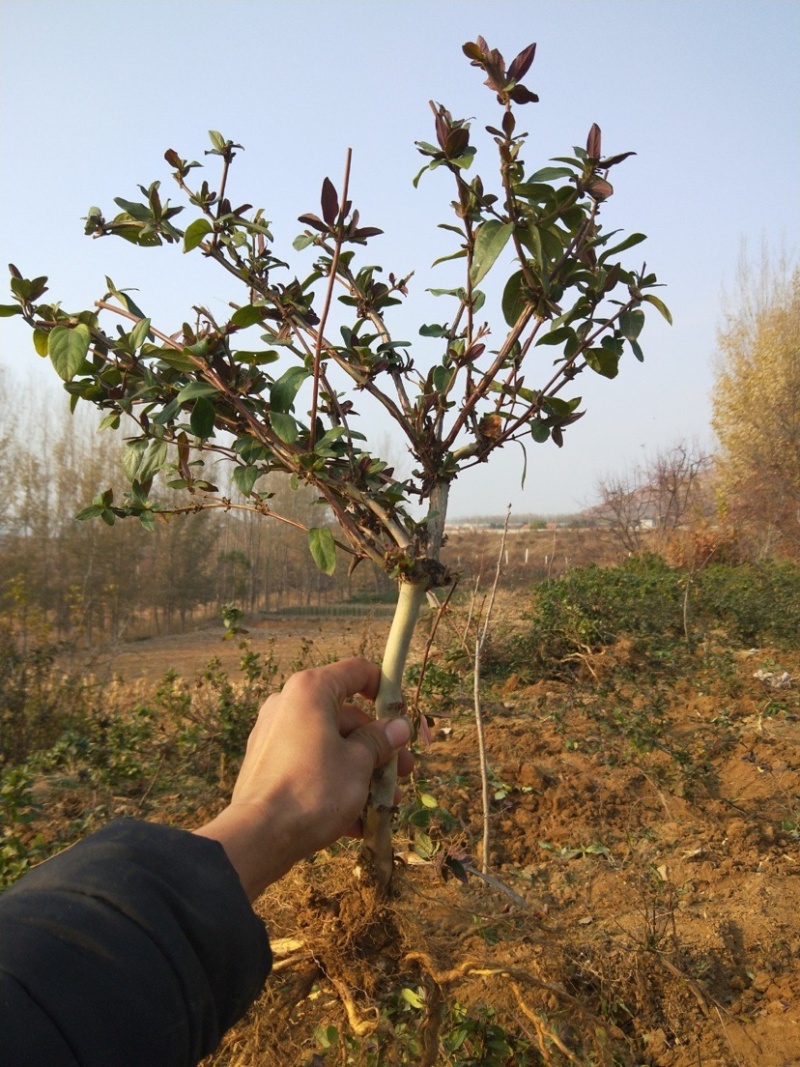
(337, 248)
(257, 505)
(489, 376)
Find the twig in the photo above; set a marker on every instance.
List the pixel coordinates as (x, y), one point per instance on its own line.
(496, 883)
(480, 641)
(442, 608)
(337, 248)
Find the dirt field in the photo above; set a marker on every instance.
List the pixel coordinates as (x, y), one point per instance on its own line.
(301, 641)
(646, 902)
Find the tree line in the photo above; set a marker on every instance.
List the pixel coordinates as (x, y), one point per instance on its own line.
(88, 579)
(741, 501)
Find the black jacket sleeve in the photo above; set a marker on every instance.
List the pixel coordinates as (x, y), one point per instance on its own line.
(135, 948)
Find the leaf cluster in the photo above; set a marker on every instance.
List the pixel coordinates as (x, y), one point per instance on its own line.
(263, 388)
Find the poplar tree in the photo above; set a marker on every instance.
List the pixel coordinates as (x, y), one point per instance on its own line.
(756, 407)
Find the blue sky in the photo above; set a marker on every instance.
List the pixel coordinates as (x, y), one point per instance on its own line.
(706, 93)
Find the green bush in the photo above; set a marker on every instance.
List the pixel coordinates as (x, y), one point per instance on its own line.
(754, 603)
(588, 609)
(661, 609)
(37, 701)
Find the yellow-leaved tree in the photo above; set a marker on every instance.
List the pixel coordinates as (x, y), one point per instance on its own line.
(756, 409)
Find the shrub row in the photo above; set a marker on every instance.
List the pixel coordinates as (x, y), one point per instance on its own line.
(662, 609)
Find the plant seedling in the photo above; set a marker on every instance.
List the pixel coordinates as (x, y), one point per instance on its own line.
(286, 402)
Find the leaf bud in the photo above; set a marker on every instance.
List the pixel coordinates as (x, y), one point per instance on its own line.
(593, 142)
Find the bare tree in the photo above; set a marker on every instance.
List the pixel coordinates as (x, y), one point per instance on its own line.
(644, 508)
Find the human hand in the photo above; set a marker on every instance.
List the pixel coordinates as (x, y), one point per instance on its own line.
(306, 772)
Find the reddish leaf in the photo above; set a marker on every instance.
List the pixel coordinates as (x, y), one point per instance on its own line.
(593, 142)
(457, 141)
(599, 188)
(613, 160)
(473, 352)
(315, 221)
(509, 123)
(495, 67)
(522, 64)
(520, 95)
(442, 127)
(330, 202)
(473, 51)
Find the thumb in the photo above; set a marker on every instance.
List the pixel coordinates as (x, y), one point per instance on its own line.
(384, 738)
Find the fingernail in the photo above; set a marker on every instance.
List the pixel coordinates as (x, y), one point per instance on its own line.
(398, 732)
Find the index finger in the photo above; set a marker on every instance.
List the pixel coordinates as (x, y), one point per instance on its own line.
(344, 679)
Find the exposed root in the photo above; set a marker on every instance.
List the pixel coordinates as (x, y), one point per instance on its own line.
(543, 1032)
(488, 970)
(360, 1026)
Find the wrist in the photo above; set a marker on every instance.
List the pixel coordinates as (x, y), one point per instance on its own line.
(260, 850)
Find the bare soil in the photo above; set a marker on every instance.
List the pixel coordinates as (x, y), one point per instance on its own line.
(645, 907)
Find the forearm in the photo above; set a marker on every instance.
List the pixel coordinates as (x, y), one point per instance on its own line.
(135, 946)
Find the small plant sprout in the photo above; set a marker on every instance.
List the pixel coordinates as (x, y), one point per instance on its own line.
(286, 402)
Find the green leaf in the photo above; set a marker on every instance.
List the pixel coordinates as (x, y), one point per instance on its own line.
(490, 240)
(285, 389)
(7, 310)
(631, 323)
(261, 358)
(428, 801)
(550, 174)
(302, 241)
(557, 336)
(629, 242)
(195, 232)
(67, 347)
(201, 420)
(662, 307)
(424, 847)
(433, 330)
(40, 342)
(148, 520)
(111, 421)
(323, 549)
(461, 254)
(421, 818)
(248, 315)
(152, 461)
(91, 512)
(245, 478)
(284, 426)
(540, 431)
(177, 360)
(194, 390)
(514, 298)
(140, 212)
(464, 161)
(139, 333)
(132, 458)
(126, 301)
(603, 361)
(412, 998)
(534, 243)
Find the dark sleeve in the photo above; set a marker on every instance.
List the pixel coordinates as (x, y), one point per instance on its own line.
(135, 947)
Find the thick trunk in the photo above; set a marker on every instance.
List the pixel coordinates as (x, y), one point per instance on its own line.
(390, 703)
